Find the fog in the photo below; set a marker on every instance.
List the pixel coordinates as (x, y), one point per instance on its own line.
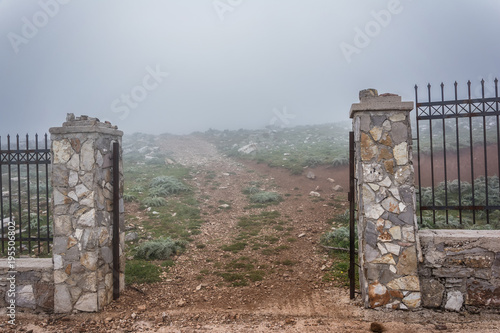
(180, 66)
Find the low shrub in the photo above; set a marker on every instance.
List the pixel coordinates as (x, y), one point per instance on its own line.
(129, 197)
(265, 197)
(154, 202)
(166, 185)
(251, 190)
(337, 238)
(160, 249)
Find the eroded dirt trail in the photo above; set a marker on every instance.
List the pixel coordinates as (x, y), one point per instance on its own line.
(278, 273)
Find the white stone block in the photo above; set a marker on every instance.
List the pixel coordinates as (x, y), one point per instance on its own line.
(454, 301)
(87, 303)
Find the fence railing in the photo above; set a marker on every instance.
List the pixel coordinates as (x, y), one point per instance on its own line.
(458, 149)
(25, 224)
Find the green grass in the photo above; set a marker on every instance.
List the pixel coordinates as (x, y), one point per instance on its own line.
(239, 271)
(339, 271)
(138, 271)
(286, 262)
(234, 247)
(255, 276)
(274, 251)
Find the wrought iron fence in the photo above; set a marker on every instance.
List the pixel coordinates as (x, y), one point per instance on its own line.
(458, 151)
(26, 225)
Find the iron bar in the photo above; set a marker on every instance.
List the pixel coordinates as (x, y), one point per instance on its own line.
(485, 143)
(444, 155)
(38, 196)
(462, 208)
(432, 158)
(458, 159)
(28, 195)
(471, 155)
(352, 267)
(461, 101)
(498, 133)
(47, 194)
(19, 218)
(116, 220)
(10, 181)
(418, 158)
(461, 115)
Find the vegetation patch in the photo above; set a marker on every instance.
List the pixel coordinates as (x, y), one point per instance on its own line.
(266, 197)
(160, 249)
(137, 271)
(239, 271)
(251, 190)
(154, 202)
(339, 271)
(454, 193)
(290, 148)
(235, 247)
(275, 251)
(338, 238)
(166, 185)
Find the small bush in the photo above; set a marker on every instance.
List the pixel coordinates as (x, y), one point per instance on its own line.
(129, 197)
(154, 202)
(235, 247)
(237, 279)
(255, 276)
(340, 161)
(344, 218)
(251, 190)
(160, 249)
(337, 238)
(313, 161)
(265, 197)
(166, 185)
(137, 189)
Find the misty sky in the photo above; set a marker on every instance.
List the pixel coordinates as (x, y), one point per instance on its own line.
(179, 66)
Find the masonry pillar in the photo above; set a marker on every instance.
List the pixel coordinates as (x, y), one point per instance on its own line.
(387, 229)
(83, 214)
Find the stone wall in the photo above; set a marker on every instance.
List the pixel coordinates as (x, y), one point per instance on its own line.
(461, 269)
(33, 282)
(83, 214)
(386, 202)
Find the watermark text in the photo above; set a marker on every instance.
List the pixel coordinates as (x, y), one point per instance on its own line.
(31, 26)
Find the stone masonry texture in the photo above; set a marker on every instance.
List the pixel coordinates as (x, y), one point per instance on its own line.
(34, 284)
(83, 214)
(387, 229)
(461, 269)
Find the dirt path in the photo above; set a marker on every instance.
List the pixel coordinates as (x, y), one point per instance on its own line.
(288, 292)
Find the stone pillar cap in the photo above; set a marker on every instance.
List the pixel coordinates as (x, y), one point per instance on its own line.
(85, 124)
(370, 100)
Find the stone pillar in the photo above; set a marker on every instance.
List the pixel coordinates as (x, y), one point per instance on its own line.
(83, 214)
(387, 229)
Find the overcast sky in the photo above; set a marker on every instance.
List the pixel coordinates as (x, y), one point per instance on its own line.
(179, 66)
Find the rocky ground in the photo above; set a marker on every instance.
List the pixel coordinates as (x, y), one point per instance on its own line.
(292, 295)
